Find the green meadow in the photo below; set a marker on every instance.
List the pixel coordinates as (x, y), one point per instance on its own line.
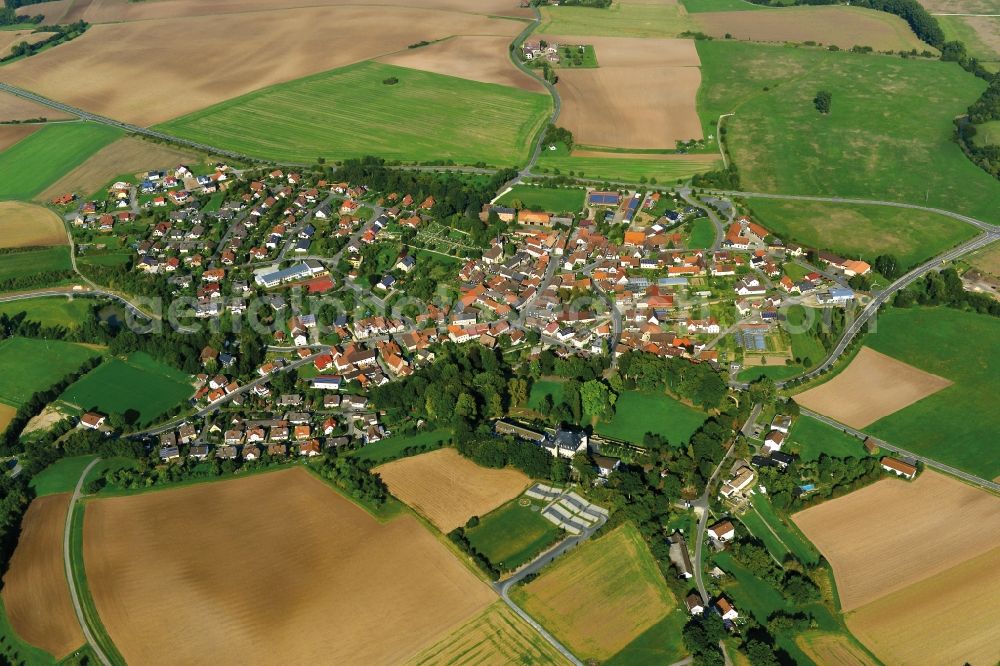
(888, 136)
(50, 311)
(392, 447)
(630, 169)
(28, 262)
(702, 233)
(352, 112)
(513, 534)
(139, 383)
(42, 158)
(959, 424)
(552, 199)
(637, 413)
(809, 438)
(61, 476)
(28, 365)
(865, 232)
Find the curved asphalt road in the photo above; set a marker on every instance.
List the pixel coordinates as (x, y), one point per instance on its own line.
(69, 293)
(103, 658)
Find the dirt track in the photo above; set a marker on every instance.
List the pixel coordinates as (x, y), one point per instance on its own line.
(273, 568)
(35, 590)
(255, 50)
(449, 489)
(894, 533)
(873, 386)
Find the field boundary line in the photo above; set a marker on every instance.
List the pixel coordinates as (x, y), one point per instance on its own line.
(68, 562)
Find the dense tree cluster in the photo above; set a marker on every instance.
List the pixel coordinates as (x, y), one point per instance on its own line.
(823, 101)
(945, 288)
(355, 478)
(555, 135)
(698, 382)
(497, 453)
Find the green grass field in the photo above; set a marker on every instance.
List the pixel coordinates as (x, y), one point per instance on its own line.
(623, 168)
(959, 28)
(886, 112)
(957, 425)
(61, 476)
(775, 372)
(350, 112)
(625, 18)
(513, 534)
(32, 262)
(702, 233)
(988, 133)
(392, 447)
(801, 324)
(809, 438)
(50, 311)
(28, 365)
(41, 158)
(657, 645)
(551, 199)
(698, 6)
(544, 387)
(788, 535)
(638, 413)
(140, 383)
(913, 236)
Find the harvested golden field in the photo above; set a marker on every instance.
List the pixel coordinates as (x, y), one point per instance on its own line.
(6, 415)
(497, 636)
(597, 598)
(871, 387)
(126, 155)
(832, 649)
(894, 533)
(273, 568)
(945, 619)
(113, 11)
(256, 49)
(482, 59)
(842, 26)
(988, 259)
(11, 134)
(13, 107)
(600, 106)
(448, 489)
(26, 225)
(35, 589)
(668, 157)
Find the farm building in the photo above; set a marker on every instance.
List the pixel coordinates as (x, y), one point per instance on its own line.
(694, 604)
(726, 609)
(722, 530)
(898, 467)
(92, 420)
(744, 477)
(603, 199)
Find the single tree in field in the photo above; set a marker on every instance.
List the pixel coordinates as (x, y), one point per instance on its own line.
(823, 101)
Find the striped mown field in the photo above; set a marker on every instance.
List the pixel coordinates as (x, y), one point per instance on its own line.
(626, 166)
(357, 110)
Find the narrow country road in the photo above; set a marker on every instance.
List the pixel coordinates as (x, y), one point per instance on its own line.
(929, 462)
(67, 561)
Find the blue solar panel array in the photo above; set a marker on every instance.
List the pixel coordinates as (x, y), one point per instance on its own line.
(751, 341)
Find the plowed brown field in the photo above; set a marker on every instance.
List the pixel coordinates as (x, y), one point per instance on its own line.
(871, 387)
(35, 590)
(13, 107)
(274, 568)
(26, 225)
(256, 49)
(477, 58)
(449, 489)
(842, 26)
(603, 107)
(126, 155)
(945, 619)
(894, 533)
(11, 134)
